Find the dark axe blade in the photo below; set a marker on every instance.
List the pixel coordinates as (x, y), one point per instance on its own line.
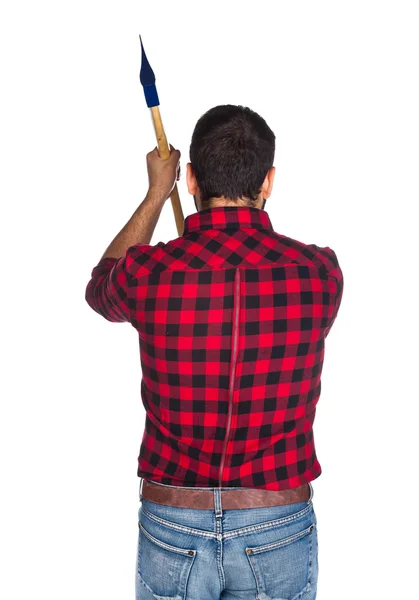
(148, 79)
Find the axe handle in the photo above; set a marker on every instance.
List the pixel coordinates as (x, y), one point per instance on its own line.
(164, 152)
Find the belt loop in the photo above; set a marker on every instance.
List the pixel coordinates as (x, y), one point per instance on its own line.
(217, 502)
(141, 488)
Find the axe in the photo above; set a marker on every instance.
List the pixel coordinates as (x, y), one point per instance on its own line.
(148, 81)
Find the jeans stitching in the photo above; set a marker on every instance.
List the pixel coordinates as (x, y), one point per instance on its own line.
(281, 543)
(183, 528)
(236, 532)
(169, 547)
(268, 524)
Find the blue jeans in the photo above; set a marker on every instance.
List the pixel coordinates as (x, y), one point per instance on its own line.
(241, 554)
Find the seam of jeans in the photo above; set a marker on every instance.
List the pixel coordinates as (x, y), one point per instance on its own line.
(281, 543)
(172, 525)
(267, 525)
(169, 547)
(236, 532)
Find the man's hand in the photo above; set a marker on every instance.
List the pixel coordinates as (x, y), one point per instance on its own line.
(163, 173)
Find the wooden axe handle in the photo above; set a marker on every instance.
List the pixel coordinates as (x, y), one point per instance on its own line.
(164, 152)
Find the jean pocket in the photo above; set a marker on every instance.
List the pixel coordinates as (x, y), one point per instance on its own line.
(283, 568)
(162, 569)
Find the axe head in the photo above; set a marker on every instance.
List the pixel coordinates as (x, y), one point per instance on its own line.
(148, 80)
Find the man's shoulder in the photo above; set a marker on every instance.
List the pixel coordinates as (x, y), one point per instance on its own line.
(140, 258)
(143, 259)
(320, 256)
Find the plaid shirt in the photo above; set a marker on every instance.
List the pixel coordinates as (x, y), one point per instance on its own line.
(232, 319)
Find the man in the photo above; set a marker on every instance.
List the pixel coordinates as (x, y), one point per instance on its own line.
(232, 319)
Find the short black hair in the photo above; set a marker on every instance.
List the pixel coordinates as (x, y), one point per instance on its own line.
(231, 151)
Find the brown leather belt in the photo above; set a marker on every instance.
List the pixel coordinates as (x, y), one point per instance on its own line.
(190, 497)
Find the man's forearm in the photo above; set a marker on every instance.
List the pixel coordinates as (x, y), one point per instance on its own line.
(140, 227)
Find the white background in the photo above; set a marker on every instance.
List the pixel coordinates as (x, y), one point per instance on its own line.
(338, 84)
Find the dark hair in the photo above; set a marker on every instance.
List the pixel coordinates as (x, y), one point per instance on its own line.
(231, 151)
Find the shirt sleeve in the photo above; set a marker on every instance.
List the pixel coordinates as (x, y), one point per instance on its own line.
(336, 282)
(107, 290)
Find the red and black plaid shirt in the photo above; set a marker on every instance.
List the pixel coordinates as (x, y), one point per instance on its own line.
(232, 319)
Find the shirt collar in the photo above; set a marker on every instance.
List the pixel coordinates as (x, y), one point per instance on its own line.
(227, 217)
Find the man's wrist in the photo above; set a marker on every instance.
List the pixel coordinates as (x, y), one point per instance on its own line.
(156, 194)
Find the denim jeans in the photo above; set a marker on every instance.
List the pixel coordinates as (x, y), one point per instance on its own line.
(268, 553)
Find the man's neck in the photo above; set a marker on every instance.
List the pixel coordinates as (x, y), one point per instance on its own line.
(222, 201)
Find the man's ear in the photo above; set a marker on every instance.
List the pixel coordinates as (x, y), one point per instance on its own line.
(268, 183)
(191, 180)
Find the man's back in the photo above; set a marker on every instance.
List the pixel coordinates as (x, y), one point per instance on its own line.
(232, 319)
